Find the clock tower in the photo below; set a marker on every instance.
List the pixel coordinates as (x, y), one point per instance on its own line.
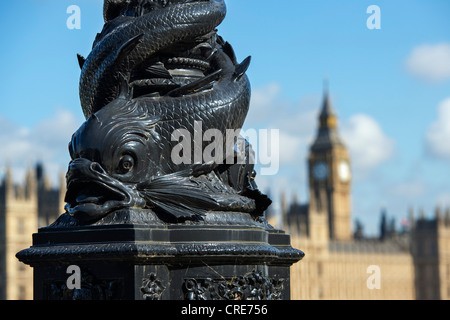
(330, 176)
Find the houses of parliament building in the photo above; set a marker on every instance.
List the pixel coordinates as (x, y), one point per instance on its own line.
(340, 263)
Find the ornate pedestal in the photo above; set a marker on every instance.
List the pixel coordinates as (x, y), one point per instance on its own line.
(159, 76)
(132, 255)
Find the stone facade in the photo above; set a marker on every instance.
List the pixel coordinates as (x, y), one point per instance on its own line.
(23, 209)
(340, 263)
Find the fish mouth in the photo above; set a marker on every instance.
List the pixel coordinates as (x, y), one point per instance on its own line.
(92, 193)
(135, 8)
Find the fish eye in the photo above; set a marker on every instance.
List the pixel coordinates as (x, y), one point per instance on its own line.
(126, 164)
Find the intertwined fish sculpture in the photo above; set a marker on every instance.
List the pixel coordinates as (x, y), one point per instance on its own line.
(156, 68)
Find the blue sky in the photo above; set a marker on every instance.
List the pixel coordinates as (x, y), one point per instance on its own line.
(390, 88)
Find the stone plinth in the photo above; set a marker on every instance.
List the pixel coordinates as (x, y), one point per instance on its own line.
(132, 255)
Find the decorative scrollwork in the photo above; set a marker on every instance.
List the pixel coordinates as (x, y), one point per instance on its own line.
(152, 288)
(92, 288)
(254, 286)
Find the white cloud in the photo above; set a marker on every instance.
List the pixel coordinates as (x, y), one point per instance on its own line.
(290, 148)
(430, 62)
(296, 121)
(369, 146)
(264, 100)
(438, 134)
(442, 200)
(47, 142)
(409, 189)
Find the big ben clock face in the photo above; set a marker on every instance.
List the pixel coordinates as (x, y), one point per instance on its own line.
(320, 171)
(344, 171)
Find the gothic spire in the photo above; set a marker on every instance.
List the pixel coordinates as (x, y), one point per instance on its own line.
(327, 108)
(327, 133)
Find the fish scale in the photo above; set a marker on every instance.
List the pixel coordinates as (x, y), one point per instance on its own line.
(121, 125)
(160, 28)
(223, 107)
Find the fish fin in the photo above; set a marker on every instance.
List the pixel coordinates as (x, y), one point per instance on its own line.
(213, 53)
(128, 46)
(158, 70)
(125, 92)
(203, 168)
(81, 60)
(228, 49)
(195, 85)
(98, 36)
(176, 195)
(262, 201)
(241, 68)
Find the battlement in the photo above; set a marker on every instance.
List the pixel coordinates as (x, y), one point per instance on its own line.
(35, 193)
(441, 219)
(18, 192)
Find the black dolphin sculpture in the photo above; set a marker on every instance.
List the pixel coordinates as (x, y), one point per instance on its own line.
(144, 79)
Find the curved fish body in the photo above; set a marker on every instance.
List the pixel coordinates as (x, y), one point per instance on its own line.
(126, 42)
(221, 107)
(186, 76)
(130, 142)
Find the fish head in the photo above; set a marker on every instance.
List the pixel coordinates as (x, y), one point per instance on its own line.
(111, 153)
